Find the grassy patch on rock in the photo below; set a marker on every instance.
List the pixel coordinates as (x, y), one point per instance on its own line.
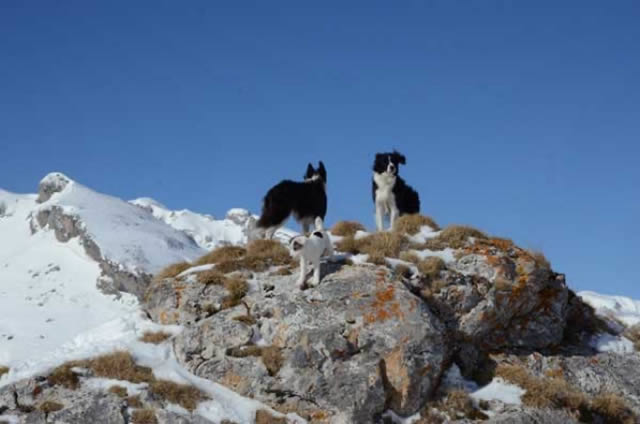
(411, 224)
(154, 337)
(347, 228)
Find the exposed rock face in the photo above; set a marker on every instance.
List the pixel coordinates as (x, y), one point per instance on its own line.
(66, 226)
(52, 183)
(356, 345)
(502, 298)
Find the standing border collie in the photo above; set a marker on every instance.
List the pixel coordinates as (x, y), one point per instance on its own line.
(391, 195)
(305, 200)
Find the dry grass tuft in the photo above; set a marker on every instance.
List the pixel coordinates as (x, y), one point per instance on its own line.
(172, 271)
(430, 267)
(143, 416)
(458, 404)
(282, 271)
(269, 250)
(154, 337)
(612, 408)
(264, 417)
(222, 254)
(632, 333)
(377, 246)
(455, 237)
(63, 376)
(119, 366)
(272, 359)
(555, 392)
(409, 257)
(134, 401)
(211, 276)
(347, 228)
(50, 406)
(181, 394)
(3, 370)
(245, 319)
(119, 391)
(411, 224)
(237, 288)
(540, 260)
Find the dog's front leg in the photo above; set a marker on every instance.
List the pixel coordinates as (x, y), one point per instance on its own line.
(393, 216)
(303, 272)
(379, 216)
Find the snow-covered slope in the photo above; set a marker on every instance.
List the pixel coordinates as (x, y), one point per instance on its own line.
(624, 309)
(207, 232)
(48, 293)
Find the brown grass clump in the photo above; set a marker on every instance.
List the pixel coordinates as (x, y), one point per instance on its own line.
(458, 404)
(347, 228)
(172, 271)
(143, 416)
(50, 406)
(118, 391)
(430, 267)
(154, 337)
(378, 245)
(134, 401)
(632, 333)
(555, 392)
(63, 376)
(211, 276)
(540, 260)
(119, 366)
(282, 271)
(409, 257)
(237, 289)
(181, 394)
(612, 408)
(3, 370)
(272, 359)
(455, 237)
(264, 417)
(222, 254)
(260, 256)
(411, 224)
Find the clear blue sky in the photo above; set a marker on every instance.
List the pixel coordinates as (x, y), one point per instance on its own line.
(520, 118)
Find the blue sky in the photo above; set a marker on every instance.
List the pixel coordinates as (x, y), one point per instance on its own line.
(519, 118)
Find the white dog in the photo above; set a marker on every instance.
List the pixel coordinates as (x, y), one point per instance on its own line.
(310, 250)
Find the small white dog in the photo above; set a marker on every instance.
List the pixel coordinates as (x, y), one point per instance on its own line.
(310, 250)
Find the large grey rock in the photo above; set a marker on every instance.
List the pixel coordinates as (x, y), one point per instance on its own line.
(54, 182)
(354, 346)
(502, 299)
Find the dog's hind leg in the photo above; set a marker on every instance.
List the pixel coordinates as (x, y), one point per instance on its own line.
(316, 273)
(379, 216)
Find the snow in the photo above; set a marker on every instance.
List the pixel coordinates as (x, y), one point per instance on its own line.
(52, 311)
(624, 309)
(397, 419)
(446, 255)
(611, 343)
(126, 234)
(424, 234)
(207, 232)
(10, 419)
(48, 291)
(104, 384)
(498, 389)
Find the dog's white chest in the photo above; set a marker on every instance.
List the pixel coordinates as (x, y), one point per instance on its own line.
(384, 192)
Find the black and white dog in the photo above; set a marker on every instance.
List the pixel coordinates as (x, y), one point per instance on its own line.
(310, 250)
(391, 195)
(305, 200)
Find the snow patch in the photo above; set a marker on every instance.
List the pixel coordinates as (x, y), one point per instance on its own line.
(611, 343)
(498, 389)
(623, 308)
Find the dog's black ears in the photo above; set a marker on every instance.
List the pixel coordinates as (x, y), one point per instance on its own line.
(322, 171)
(399, 157)
(309, 173)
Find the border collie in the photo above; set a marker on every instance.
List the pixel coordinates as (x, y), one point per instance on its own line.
(305, 200)
(391, 195)
(310, 250)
